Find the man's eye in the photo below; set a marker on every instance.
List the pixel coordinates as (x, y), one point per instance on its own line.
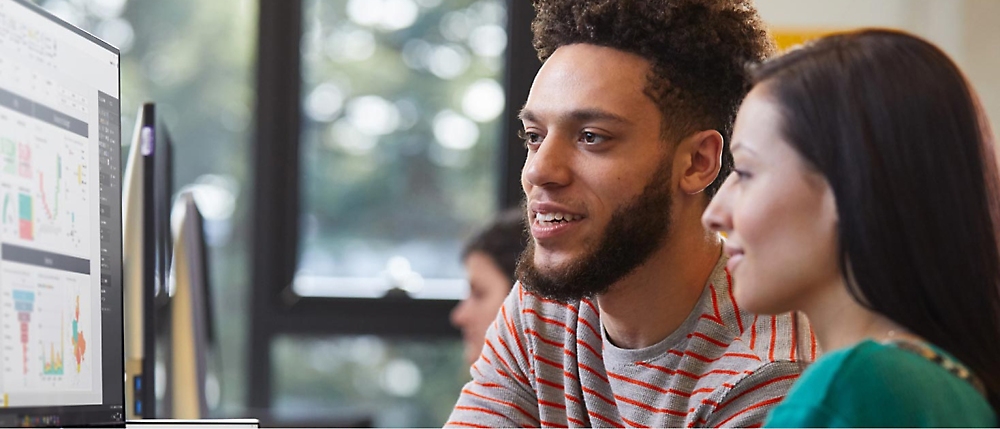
(591, 138)
(529, 137)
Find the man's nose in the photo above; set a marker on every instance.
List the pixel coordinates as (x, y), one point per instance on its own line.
(549, 166)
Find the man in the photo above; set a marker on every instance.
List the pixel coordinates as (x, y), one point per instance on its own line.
(623, 315)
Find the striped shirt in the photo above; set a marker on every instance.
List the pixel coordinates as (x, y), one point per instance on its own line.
(547, 363)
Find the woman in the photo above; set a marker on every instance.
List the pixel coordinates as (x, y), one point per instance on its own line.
(865, 195)
(490, 258)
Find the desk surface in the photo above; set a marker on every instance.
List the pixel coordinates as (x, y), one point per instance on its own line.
(188, 424)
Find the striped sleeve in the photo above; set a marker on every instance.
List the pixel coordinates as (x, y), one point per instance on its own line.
(749, 401)
(501, 393)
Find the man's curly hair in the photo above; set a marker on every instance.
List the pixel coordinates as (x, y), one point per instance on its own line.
(698, 52)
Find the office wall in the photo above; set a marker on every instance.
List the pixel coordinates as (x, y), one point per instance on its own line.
(968, 30)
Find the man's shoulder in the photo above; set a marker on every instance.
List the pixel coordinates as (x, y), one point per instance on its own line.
(746, 381)
(785, 337)
(767, 347)
(766, 350)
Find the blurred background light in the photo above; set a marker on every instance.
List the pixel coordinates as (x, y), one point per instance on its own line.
(488, 40)
(448, 61)
(324, 102)
(454, 131)
(483, 100)
(373, 115)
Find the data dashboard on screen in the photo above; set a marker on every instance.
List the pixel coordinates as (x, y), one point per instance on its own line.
(60, 217)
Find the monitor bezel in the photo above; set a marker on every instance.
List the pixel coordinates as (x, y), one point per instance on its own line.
(90, 37)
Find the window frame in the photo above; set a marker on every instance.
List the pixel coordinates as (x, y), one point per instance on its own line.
(276, 208)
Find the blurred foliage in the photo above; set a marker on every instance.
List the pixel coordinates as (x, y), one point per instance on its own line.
(407, 194)
(391, 190)
(344, 378)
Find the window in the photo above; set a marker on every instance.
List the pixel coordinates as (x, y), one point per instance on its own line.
(400, 105)
(400, 102)
(367, 147)
(381, 151)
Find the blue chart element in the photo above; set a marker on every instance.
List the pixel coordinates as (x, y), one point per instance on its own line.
(24, 301)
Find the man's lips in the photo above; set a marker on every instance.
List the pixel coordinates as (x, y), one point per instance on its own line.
(538, 210)
(548, 219)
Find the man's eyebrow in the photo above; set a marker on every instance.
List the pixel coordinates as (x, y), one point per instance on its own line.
(527, 115)
(584, 115)
(581, 115)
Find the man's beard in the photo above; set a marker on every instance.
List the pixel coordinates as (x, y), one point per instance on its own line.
(635, 231)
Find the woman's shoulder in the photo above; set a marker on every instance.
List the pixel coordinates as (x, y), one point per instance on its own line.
(876, 384)
(832, 367)
(892, 367)
(888, 372)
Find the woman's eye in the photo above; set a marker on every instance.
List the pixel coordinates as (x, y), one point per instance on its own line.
(742, 175)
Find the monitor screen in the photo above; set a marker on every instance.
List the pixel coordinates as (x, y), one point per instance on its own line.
(60, 238)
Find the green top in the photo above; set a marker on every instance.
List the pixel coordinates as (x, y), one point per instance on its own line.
(879, 385)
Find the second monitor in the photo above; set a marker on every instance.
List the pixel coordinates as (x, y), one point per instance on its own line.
(169, 338)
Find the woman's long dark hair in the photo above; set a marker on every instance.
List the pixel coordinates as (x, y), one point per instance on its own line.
(899, 135)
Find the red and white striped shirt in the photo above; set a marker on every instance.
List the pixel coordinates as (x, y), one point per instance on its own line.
(546, 363)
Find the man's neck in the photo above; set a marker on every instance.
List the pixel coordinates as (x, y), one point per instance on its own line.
(649, 304)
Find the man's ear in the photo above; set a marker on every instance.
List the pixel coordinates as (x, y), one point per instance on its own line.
(699, 158)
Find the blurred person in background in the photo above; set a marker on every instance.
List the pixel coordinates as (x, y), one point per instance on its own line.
(865, 194)
(490, 258)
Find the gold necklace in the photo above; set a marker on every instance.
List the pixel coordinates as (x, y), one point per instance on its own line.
(924, 350)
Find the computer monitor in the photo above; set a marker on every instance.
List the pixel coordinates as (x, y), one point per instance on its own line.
(169, 337)
(190, 356)
(60, 237)
(163, 195)
(148, 250)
